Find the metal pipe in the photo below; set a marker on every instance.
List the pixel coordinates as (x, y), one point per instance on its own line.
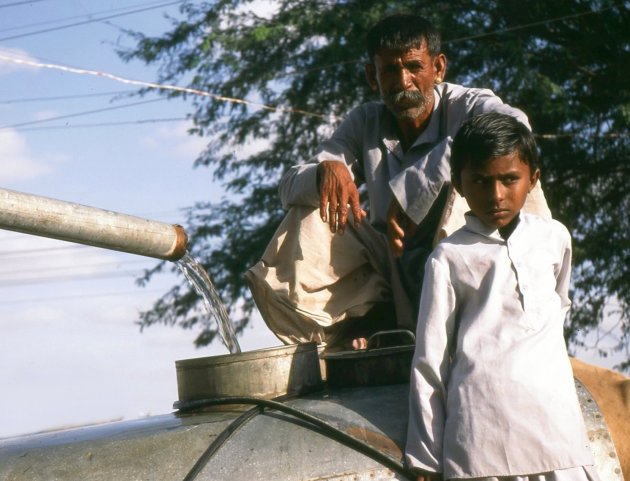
(42, 216)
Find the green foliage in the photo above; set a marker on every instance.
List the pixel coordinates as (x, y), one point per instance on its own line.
(564, 63)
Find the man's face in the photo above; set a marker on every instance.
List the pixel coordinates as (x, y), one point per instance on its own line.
(496, 191)
(405, 80)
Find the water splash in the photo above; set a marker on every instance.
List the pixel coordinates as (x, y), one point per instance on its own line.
(199, 279)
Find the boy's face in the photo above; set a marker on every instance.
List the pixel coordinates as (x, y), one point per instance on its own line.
(496, 191)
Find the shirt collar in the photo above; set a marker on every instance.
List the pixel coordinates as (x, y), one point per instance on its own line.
(473, 224)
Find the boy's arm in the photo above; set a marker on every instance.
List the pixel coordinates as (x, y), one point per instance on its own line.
(430, 370)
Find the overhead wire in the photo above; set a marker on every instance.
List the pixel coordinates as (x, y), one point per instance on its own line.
(76, 266)
(15, 4)
(71, 277)
(461, 39)
(103, 124)
(20, 252)
(74, 17)
(533, 24)
(158, 86)
(85, 22)
(79, 296)
(612, 135)
(79, 114)
(65, 97)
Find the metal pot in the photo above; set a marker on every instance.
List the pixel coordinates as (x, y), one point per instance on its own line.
(373, 366)
(264, 373)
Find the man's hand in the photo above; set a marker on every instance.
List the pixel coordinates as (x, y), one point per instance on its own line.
(426, 476)
(399, 226)
(337, 191)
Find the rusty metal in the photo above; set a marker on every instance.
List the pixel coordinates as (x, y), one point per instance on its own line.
(42, 216)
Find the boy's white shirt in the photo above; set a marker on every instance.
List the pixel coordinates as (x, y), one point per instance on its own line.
(505, 403)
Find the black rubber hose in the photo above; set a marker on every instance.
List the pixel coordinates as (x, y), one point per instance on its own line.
(325, 427)
(220, 440)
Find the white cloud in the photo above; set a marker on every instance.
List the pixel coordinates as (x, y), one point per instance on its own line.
(46, 114)
(15, 159)
(176, 141)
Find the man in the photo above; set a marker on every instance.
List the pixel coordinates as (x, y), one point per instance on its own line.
(339, 280)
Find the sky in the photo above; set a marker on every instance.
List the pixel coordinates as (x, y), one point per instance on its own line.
(71, 352)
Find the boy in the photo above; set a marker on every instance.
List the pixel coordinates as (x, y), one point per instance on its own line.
(492, 391)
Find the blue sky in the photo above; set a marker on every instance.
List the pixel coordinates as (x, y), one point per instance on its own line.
(70, 352)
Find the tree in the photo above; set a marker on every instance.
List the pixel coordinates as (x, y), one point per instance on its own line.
(564, 63)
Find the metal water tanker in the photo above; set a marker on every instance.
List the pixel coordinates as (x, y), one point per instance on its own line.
(222, 431)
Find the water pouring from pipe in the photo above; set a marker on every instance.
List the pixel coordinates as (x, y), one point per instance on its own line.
(46, 217)
(199, 279)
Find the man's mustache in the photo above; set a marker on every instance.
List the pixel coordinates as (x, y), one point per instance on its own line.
(414, 96)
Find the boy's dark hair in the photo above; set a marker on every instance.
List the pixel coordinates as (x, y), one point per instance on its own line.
(491, 135)
(403, 31)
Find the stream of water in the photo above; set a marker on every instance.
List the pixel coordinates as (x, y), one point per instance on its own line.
(201, 282)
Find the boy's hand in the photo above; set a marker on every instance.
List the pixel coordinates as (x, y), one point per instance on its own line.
(337, 191)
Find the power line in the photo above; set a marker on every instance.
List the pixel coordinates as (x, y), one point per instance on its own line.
(79, 114)
(533, 24)
(80, 296)
(74, 17)
(66, 97)
(85, 22)
(20, 252)
(65, 278)
(15, 4)
(75, 266)
(102, 124)
(461, 39)
(154, 85)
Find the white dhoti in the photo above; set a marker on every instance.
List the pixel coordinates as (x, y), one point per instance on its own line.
(310, 278)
